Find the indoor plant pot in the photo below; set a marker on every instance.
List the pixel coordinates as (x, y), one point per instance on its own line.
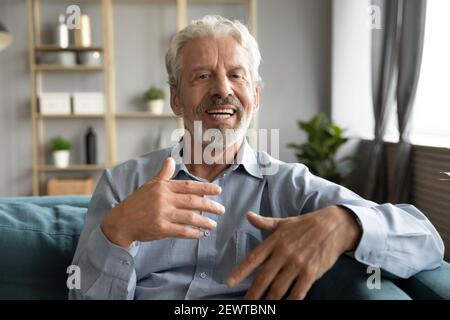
(61, 152)
(61, 158)
(155, 100)
(155, 106)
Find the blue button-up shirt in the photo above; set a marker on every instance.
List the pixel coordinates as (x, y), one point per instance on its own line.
(397, 238)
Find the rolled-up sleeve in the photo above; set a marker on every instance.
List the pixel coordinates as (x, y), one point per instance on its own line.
(107, 270)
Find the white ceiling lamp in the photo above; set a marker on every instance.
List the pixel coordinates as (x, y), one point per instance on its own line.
(5, 37)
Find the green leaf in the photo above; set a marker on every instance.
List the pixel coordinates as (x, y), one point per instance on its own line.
(324, 139)
(59, 143)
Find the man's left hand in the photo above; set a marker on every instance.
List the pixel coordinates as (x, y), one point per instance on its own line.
(297, 253)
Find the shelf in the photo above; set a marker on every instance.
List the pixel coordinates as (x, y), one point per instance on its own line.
(55, 48)
(215, 2)
(57, 68)
(73, 167)
(70, 116)
(144, 114)
(111, 118)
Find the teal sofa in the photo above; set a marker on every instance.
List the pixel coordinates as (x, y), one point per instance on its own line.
(38, 237)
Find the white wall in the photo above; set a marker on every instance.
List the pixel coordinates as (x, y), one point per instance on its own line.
(15, 126)
(350, 71)
(294, 37)
(351, 102)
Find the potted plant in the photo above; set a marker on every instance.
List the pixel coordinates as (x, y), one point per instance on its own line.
(61, 155)
(319, 152)
(155, 100)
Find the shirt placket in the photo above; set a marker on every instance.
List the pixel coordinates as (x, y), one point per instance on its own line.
(206, 256)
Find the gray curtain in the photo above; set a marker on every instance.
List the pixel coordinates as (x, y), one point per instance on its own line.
(384, 76)
(409, 62)
(396, 57)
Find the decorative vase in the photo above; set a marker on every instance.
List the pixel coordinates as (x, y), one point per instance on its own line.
(91, 146)
(61, 158)
(155, 106)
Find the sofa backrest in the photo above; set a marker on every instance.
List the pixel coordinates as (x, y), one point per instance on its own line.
(38, 238)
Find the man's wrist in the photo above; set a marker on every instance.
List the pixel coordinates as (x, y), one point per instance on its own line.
(113, 230)
(352, 230)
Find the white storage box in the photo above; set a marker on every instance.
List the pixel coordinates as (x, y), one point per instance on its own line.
(54, 103)
(88, 103)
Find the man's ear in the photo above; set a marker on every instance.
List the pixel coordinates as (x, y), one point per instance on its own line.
(256, 98)
(174, 102)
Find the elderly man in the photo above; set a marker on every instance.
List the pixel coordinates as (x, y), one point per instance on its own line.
(157, 229)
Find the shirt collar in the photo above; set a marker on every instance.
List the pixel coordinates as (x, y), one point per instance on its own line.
(246, 158)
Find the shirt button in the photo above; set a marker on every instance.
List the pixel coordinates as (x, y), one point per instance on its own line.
(125, 263)
(203, 275)
(207, 233)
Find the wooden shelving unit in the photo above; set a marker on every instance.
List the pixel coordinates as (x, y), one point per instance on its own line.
(55, 48)
(69, 117)
(56, 68)
(73, 167)
(111, 116)
(142, 114)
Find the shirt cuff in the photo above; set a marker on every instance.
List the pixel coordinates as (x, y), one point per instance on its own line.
(111, 259)
(372, 245)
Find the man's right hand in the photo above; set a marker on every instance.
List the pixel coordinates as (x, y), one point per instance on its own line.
(162, 208)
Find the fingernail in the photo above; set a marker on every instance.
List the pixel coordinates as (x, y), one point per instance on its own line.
(213, 223)
(230, 282)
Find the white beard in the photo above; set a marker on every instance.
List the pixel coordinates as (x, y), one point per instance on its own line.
(221, 138)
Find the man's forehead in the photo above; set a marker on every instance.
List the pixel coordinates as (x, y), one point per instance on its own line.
(204, 52)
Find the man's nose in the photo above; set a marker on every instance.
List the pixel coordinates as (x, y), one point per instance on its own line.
(222, 87)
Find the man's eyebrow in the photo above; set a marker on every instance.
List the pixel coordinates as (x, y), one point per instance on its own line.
(208, 68)
(200, 68)
(237, 67)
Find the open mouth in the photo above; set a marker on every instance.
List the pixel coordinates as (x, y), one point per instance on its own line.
(221, 113)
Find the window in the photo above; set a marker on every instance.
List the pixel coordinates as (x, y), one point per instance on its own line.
(351, 84)
(431, 115)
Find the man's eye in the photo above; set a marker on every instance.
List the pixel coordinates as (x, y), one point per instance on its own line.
(203, 76)
(237, 76)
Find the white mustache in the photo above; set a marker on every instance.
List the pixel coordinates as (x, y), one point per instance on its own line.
(214, 101)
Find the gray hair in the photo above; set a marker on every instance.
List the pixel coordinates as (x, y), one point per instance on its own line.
(215, 26)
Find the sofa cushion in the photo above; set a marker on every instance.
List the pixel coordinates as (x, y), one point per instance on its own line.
(38, 237)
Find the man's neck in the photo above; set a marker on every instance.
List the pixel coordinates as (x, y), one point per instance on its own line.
(224, 158)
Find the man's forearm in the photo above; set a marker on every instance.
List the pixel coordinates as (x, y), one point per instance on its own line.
(107, 270)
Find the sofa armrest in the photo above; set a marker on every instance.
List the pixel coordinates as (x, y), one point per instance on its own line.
(430, 284)
(50, 201)
(38, 237)
(347, 279)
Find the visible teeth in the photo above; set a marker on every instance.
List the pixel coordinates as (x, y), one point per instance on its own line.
(221, 116)
(221, 111)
